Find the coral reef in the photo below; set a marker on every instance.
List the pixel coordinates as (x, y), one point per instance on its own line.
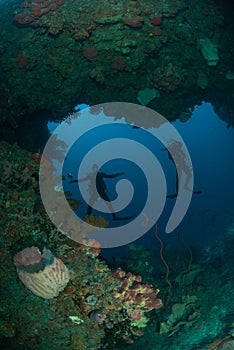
(74, 294)
(100, 308)
(139, 45)
(30, 10)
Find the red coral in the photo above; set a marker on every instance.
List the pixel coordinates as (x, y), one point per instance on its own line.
(118, 64)
(156, 21)
(137, 22)
(157, 32)
(36, 157)
(90, 52)
(31, 10)
(22, 61)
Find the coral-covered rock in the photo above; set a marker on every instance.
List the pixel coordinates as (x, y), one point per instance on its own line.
(135, 23)
(30, 10)
(157, 32)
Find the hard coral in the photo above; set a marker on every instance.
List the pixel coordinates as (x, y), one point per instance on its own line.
(135, 23)
(118, 64)
(90, 52)
(157, 32)
(156, 21)
(21, 60)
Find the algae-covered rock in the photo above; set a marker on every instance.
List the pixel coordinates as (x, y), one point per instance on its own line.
(141, 322)
(177, 311)
(187, 277)
(229, 75)
(209, 51)
(6, 329)
(202, 80)
(147, 95)
(109, 19)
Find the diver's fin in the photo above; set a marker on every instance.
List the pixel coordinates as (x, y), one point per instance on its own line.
(197, 192)
(116, 218)
(72, 182)
(172, 196)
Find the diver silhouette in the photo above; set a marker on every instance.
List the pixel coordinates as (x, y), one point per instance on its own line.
(179, 160)
(97, 188)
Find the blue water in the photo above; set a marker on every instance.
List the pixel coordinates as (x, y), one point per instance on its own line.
(210, 145)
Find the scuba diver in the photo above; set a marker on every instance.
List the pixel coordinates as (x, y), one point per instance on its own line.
(179, 160)
(97, 188)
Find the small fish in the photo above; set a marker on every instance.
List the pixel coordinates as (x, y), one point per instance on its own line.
(58, 188)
